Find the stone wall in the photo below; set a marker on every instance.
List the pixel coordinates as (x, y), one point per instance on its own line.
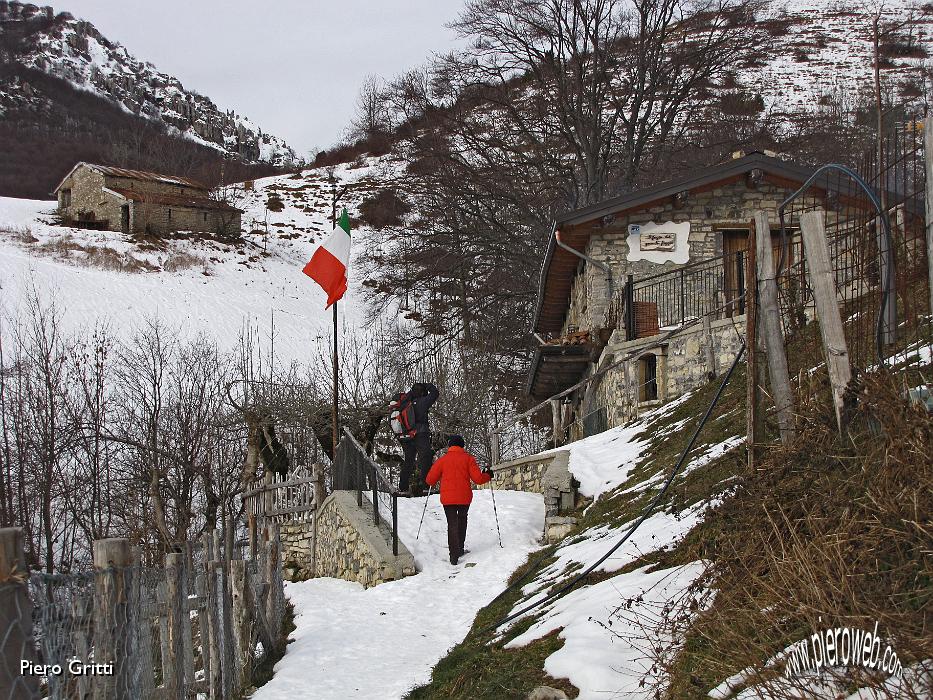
(682, 366)
(89, 201)
(297, 543)
(351, 547)
(161, 218)
(547, 474)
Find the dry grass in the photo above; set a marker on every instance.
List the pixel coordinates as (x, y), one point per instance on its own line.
(19, 234)
(834, 531)
(69, 248)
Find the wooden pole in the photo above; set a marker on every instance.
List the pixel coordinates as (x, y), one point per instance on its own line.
(115, 618)
(230, 672)
(928, 161)
(335, 409)
(176, 603)
(751, 349)
(242, 624)
(772, 333)
(251, 527)
(823, 284)
(215, 676)
(276, 600)
(15, 619)
(555, 422)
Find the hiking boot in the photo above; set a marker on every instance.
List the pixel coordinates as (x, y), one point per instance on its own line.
(453, 560)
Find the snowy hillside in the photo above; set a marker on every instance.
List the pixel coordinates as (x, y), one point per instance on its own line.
(76, 51)
(194, 285)
(825, 47)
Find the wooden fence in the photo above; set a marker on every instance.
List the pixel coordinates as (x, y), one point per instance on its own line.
(199, 625)
(274, 499)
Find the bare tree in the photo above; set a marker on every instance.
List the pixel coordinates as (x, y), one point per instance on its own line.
(372, 116)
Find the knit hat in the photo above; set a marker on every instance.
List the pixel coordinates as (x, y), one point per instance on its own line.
(455, 441)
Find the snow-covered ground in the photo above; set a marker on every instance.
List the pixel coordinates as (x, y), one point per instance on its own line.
(193, 286)
(377, 643)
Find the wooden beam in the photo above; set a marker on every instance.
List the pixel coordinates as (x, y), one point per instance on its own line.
(823, 284)
(928, 160)
(751, 350)
(773, 336)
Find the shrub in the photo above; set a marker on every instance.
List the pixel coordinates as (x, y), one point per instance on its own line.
(385, 209)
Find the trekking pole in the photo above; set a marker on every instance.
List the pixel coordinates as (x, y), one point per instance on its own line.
(492, 492)
(424, 510)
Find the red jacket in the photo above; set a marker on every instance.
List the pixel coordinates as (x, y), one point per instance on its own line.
(455, 470)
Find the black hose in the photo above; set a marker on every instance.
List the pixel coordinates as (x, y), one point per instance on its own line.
(649, 509)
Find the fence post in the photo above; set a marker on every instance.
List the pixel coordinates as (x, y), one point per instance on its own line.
(276, 595)
(827, 308)
(771, 329)
(317, 473)
(751, 350)
(630, 330)
(273, 576)
(242, 622)
(176, 604)
(230, 672)
(15, 618)
(200, 590)
(115, 615)
(215, 674)
(928, 162)
(251, 528)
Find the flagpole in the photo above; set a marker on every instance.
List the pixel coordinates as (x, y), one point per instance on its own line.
(333, 221)
(336, 385)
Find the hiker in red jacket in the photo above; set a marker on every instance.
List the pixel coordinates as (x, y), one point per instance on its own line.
(456, 470)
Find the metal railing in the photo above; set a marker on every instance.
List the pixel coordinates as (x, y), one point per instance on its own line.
(354, 470)
(713, 287)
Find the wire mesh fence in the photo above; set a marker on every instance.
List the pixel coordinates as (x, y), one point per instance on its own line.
(877, 243)
(199, 625)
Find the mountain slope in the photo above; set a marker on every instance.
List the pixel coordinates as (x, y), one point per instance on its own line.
(67, 92)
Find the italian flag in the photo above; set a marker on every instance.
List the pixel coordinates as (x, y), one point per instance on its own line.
(328, 266)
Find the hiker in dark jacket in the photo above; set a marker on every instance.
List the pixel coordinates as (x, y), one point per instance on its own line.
(418, 450)
(456, 470)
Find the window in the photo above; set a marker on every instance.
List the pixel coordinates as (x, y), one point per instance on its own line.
(169, 214)
(204, 216)
(65, 198)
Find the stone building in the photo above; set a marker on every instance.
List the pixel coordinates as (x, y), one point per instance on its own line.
(619, 273)
(134, 201)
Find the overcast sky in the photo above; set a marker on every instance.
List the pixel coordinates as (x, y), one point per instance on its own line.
(292, 66)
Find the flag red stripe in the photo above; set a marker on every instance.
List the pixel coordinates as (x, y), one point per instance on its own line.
(327, 270)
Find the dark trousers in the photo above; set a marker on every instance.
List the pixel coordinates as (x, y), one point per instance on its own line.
(456, 529)
(418, 449)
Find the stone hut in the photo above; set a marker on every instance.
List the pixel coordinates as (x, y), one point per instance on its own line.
(619, 273)
(134, 201)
